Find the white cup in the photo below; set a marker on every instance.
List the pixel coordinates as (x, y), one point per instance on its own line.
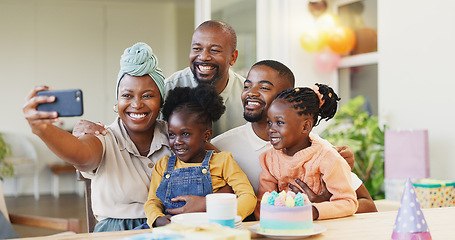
(222, 208)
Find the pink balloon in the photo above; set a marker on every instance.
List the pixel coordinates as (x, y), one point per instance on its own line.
(327, 61)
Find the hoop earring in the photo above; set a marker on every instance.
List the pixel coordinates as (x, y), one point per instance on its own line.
(115, 108)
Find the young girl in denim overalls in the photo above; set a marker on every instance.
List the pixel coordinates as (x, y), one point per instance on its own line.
(193, 172)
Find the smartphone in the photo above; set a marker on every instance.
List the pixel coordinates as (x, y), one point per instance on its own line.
(68, 103)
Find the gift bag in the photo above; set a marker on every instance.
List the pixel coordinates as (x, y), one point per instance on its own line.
(406, 154)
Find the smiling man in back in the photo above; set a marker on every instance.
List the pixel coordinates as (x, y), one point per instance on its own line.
(213, 52)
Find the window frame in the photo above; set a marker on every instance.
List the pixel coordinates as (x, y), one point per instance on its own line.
(342, 75)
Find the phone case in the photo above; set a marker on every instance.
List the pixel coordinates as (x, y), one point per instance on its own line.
(68, 103)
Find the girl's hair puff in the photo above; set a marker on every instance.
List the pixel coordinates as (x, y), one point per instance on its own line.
(202, 100)
(306, 101)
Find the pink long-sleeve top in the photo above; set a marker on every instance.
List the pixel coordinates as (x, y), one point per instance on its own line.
(309, 165)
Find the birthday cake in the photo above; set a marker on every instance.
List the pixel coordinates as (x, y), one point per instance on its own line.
(287, 213)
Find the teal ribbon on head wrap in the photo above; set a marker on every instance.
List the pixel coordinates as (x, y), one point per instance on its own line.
(139, 60)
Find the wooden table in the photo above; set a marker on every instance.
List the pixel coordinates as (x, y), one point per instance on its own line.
(441, 222)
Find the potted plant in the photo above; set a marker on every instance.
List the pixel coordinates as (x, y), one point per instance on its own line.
(354, 127)
(6, 168)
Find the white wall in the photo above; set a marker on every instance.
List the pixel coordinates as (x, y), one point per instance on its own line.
(416, 75)
(78, 44)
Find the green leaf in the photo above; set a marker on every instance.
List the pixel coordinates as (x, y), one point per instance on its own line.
(354, 127)
(6, 168)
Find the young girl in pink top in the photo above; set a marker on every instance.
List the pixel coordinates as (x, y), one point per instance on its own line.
(297, 154)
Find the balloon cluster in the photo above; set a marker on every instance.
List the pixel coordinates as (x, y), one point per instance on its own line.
(329, 39)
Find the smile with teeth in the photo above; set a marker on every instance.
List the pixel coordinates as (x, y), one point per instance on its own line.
(137, 115)
(274, 140)
(253, 103)
(205, 68)
(180, 150)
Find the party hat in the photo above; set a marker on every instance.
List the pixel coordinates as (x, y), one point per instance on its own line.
(410, 223)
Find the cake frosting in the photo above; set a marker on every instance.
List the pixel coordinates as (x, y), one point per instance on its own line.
(285, 213)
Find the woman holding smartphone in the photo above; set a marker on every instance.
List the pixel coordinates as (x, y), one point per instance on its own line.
(120, 163)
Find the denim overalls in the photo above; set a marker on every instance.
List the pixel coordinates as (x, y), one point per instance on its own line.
(184, 181)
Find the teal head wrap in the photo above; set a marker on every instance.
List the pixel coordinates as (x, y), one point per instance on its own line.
(139, 60)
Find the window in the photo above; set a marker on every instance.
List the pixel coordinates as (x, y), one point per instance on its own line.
(241, 15)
